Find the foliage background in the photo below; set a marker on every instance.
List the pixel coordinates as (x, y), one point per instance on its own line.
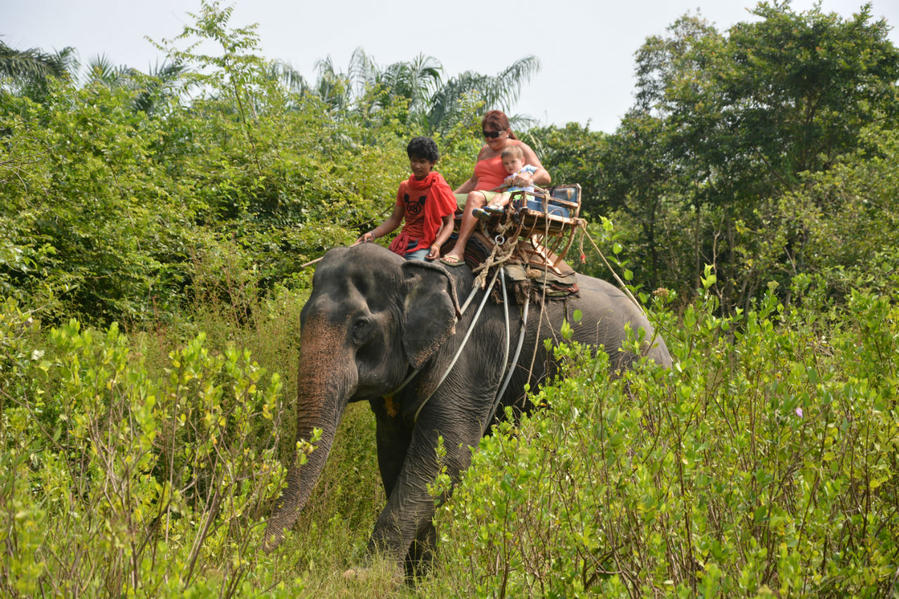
(153, 228)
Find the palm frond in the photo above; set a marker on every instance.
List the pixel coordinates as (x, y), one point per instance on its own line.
(447, 103)
(506, 87)
(100, 69)
(497, 91)
(331, 85)
(168, 70)
(33, 64)
(362, 71)
(292, 79)
(66, 61)
(161, 83)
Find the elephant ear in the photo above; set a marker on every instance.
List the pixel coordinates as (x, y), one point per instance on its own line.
(430, 310)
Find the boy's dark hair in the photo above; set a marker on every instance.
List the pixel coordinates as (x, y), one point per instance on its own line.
(423, 147)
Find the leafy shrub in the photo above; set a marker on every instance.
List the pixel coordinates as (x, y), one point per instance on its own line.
(114, 482)
(87, 218)
(762, 463)
(111, 213)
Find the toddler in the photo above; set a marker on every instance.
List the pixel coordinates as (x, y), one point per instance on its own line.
(513, 162)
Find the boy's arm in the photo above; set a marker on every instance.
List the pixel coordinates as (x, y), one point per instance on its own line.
(446, 229)
(393, 221)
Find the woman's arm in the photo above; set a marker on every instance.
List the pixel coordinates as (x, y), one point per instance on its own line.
(467, 186)
(541, 176)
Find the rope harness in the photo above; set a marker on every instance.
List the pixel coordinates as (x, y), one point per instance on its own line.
(505, 243)
(464, 340)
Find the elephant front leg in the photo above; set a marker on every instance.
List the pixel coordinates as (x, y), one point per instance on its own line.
(409, 508)
(408, 515)
(393, 438)
(421, 553)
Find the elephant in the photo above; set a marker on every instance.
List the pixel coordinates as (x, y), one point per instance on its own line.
(374, 320)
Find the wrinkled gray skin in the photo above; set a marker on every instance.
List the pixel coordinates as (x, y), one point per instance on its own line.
(372, 319)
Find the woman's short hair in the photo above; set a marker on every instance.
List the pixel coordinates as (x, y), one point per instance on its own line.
(497, 120)
(423, 147)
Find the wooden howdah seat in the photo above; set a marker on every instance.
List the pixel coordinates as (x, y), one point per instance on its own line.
(541, 225)
(549, 218)
(545, 219)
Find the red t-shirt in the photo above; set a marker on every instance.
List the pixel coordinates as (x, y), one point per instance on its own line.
(425, 202)
(413, 203)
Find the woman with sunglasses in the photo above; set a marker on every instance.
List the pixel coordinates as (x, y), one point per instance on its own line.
(489, 175)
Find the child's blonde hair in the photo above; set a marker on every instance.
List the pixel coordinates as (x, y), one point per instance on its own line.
(513, 152)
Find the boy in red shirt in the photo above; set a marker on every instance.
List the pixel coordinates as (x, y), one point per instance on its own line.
(427, 204)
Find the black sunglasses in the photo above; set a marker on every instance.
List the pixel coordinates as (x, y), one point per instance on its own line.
(491, 134)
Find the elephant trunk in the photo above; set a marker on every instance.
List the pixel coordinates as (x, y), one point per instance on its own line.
(325, 384)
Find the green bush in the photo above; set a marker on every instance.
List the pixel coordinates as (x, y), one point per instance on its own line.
(762, 463)
(110, 213)
(89, 225)
(167, 446)
(115, 482)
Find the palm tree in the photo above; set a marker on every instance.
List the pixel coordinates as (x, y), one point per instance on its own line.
(436, 103)
(27, 71)
(415, 80)
(160, 83)
(332, 86)
(291, 78)
(100, 69)
(150, 89)
(500, 91)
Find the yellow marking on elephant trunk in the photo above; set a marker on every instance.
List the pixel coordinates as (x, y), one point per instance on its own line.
(390, 406)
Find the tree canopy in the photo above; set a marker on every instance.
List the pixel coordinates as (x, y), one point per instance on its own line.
(727, 124)
(727, 130)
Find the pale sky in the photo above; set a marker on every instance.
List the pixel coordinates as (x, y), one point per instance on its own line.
(586, 47)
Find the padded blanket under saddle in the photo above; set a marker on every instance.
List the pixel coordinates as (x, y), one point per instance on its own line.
(530, 268)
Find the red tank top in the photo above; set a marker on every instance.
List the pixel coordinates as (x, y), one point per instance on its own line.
(490, 173)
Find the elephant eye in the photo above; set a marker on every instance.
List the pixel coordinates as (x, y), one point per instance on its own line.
(360, 330)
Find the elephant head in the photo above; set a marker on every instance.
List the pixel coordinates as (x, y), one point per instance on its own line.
(367, 307)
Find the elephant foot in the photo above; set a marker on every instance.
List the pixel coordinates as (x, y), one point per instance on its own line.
(271, 541)
(381, 575)
(421, 554)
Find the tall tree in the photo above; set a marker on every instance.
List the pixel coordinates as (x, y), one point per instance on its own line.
(776, 97)
(810, 82)
(434, 103)
(500, 91)
(734, 121)
(26, 71)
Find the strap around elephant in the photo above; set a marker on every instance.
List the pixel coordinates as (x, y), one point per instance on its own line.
(414, 373)
(510, 369)
(464, 342)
